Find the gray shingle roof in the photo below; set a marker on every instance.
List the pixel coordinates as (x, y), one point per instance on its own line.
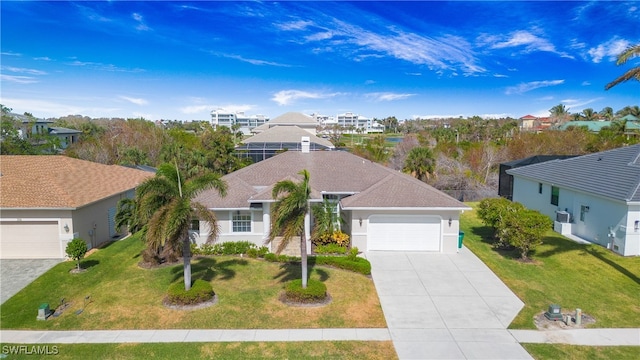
(613, 174)
(373, 185)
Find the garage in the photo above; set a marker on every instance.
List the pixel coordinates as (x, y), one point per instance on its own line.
(404, 233)
(29, 240)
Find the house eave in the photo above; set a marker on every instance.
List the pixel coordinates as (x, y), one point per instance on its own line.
(37, 208)
(407, 208)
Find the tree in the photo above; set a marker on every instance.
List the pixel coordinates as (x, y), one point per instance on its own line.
(288, 216)
(589, 114)
(633, 73)
(420, 163)
(167, 202)
(76, 250)
(525, 230)
(607, 113)
(327, 220)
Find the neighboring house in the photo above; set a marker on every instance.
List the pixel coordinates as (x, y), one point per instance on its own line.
(383, 209)
(47, 200)
(30, 125)
(280, 138)
(300, 120)
(595, 197)
(505, 181)
(592, 126)
(527, 122)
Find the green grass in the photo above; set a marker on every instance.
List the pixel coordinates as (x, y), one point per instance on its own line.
(250, 350)
(574, 352)
(601, 283)
(125, 296)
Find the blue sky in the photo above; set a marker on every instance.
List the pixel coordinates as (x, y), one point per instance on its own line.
(180, 60)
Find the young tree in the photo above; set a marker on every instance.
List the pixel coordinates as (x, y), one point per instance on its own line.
(420, 163)
(525, 230)
(288, 216)
(167, 202)
(327, 220)
(76, 250)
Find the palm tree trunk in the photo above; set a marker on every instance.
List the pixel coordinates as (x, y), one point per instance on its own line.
(303, 258)
(186, 254)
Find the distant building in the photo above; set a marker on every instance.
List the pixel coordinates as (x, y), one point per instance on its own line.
(30, 126)
(349, 119)
(221, 117)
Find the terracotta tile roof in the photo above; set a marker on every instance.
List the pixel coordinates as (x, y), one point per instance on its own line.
(372, 184)
(55, 181)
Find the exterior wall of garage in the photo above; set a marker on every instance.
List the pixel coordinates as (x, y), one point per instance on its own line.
(91, 222)
(359, 220)
(57, 242)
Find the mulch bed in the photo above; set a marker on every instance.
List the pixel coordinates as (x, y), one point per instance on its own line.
(326, 301)
(202, 305)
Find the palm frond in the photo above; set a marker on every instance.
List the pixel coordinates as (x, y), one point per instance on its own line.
(629, 75)
(628, 53)
(204, 214)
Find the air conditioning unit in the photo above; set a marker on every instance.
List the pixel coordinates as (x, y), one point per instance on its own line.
(563, 217)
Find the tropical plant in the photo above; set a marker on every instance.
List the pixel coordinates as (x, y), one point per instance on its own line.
(607, 113)
(167, 206)
(288, 216)
(76, 249)
(420, 163)
(127, 215)
(589, 114)
(633, 73)
(326, 219)
(559, 112)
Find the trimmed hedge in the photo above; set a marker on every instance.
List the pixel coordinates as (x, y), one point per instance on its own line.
(357, 264)
(316, 291)
(201, 291)
(331, 249)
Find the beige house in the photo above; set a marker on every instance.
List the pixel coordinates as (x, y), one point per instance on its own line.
(383, 209)
(47, 200)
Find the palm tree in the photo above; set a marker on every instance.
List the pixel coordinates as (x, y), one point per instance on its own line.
(288, 216)
(607, 113)
(166, 201)
(633, 73)
(589, 114)
(559, 112)
(420, 163)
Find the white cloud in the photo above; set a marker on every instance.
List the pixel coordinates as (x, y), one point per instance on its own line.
(521, 38)
(369, 82)
(525, 87)
(19, 79)
(233, 108)
(104, 67)
(294, 25)
(43, 108)
(255, 61)
(23, 70)
(10, 53)
(586, 83)
(137, 101)
(500, 76)
(609, 49)
(433, 116)
(286, 97)
(387, 96)
(140, 20)
(577, 103)
(414, 74)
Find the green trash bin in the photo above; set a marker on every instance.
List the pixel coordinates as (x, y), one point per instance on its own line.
(460, 238)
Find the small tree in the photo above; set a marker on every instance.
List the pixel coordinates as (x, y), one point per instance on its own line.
(493, 212)
(76, 249)
(525, 229)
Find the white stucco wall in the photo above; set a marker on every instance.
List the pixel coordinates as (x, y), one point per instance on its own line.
(604, 217)
(256, 236)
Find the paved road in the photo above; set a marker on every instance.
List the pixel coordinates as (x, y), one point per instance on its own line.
(16, 274)
(445, 306)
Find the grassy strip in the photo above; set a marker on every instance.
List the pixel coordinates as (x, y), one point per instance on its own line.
(125, 296)
(574, 352)
(601, 283)
(247, 350)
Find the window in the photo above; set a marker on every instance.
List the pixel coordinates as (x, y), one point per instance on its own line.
(195, 226)
(555, 195)
(241, 222)
(583, 210)
(539, 188)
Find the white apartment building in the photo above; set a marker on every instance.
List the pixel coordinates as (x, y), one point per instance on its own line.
(221, 117)
(359, 122)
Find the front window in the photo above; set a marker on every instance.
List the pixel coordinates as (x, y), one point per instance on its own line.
(555, 195)
(539, 188)
(195, 226)
(241, 222)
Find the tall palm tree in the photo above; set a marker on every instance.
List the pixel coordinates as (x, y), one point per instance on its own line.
(420, 163)
(633, 73)
(589, 114)
(559, 112)
(607, 113)
(288, 216)
(166, 201)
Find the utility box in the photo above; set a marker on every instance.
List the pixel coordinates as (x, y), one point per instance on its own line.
(554, 312)
(44, 312)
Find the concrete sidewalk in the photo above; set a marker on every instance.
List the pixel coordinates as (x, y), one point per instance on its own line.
(588, 337)
(158, 336)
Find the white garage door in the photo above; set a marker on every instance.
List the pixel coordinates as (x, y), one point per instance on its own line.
(29, 240)
(403, 233)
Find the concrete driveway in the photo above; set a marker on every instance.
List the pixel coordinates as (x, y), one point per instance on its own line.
(445, 306)
(16, 274)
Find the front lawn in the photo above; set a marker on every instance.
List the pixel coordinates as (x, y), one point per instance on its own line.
(575, 352)
(125, 296)
(601, 283)
(382, 350)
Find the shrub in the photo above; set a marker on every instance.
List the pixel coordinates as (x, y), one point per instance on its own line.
(195, 249)
(316, 291)
(76, 249)
(525, 229)
(353, 254)
(357, 264)
(493, 212)
(330, 249)
(262, 251)
(336, 237)
(252, 253)
(271, 257)
(200, 292)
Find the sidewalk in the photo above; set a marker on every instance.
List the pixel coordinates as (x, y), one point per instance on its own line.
(165, 336)
(589, 337)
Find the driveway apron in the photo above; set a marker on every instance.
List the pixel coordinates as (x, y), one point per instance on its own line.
(16, 274)
(445, 306)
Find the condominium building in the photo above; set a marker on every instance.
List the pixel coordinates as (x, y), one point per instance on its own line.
(221, 117)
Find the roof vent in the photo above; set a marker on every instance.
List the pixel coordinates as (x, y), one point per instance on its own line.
(305, 144)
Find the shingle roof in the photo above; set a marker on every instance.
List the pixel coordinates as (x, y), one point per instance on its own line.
(288, 119)
(55, 181)
(286, 134)
(372, 184)
(613, 174)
